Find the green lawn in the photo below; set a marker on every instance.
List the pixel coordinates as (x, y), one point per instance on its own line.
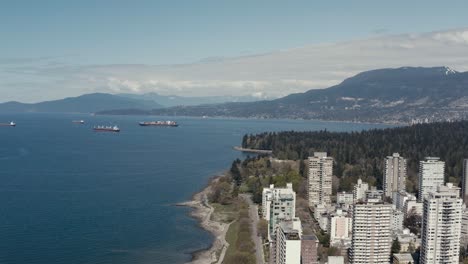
(225, 213)
(231, 238)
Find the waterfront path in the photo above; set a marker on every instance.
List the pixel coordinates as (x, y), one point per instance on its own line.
(253, 213)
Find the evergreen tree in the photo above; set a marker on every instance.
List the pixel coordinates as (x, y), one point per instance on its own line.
(396, 246)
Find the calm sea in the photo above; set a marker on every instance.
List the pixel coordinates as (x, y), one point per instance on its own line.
(69, 195)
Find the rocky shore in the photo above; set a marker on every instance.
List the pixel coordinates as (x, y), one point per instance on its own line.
(202, 211)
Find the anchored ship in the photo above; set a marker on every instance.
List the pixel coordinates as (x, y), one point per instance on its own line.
(160, 123)
(106, 129)
(78, 121)
(12, 124)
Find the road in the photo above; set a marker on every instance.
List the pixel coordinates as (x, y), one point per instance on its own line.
(253, 213)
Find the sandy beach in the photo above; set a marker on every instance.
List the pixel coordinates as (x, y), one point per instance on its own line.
(202, 211)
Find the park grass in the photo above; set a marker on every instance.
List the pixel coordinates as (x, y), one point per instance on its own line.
(241, 247)
(231, 238)
(225, 213)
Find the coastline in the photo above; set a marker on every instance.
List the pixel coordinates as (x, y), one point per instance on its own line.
(257, 151)
(202, 212)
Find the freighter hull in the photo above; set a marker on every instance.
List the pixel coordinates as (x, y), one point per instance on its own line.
(106, 130)
(162, 125)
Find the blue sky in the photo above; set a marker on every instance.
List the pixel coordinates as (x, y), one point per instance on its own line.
(167, 32)
(53, 49)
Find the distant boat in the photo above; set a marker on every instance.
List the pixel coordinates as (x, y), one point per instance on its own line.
(12, 124)
(78, 121)
(106, 129)
(160, 123)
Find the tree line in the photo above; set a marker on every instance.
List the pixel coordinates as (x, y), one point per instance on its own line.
(361, 154)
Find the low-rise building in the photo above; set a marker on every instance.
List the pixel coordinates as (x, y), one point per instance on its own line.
(359, 190)
(407, 240)
(320, 210)
(397, 220)
(335, 260)
(321, 213)
(323, 222)
(309, 245)
(344, 198)
(399, 199)
(339, 227)
(374, 194)
(412, 207)
(404, 258)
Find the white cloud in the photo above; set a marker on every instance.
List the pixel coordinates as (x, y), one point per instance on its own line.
(271, 74)
(457, 37)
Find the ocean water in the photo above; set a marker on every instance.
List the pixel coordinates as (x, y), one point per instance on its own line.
(70, 195)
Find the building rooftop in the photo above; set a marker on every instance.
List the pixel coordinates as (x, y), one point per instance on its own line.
(309, 237)
(320, 154)
(289, 231)
(286, 196)
(403, 257)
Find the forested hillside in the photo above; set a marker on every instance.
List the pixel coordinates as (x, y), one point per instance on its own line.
(361, 154)
(385, 95)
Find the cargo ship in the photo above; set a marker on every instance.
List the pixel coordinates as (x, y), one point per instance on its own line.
(160, 123)
(12, 124)
(106, 129)
(78, 121)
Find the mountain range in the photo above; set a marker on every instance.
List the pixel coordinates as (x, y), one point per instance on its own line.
(394, 95)
(384, 95)
(88, 103)
(133, 103)
(174, 100)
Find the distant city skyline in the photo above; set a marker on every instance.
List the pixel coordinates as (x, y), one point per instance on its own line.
(56, 49)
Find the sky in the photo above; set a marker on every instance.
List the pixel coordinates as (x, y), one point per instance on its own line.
(54, 49)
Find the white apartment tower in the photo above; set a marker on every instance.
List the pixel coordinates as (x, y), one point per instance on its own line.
(441, 226)
(278, 204)
(394, 174)
(371, 236)
(464, 190)
(288, 242)
(320, 179)
(431, 175)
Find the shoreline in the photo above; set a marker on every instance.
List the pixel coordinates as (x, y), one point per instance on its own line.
(202, 212)
(250, 150)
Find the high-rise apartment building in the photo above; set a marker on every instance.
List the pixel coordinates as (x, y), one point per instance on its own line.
(394, 174)
(278, 204)
(288, 242)
(441, 226)
(320, 179)
(464, 190)
(464, 228)
(431, 175)
(371, 235)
